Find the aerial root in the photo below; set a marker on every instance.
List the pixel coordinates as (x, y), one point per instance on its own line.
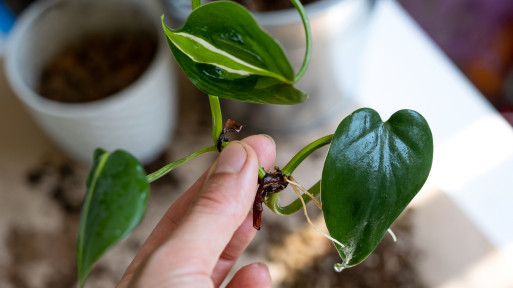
(293, 182)
(392, 234)
(298, 187)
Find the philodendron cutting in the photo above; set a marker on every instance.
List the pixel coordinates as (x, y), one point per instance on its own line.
(373, 168)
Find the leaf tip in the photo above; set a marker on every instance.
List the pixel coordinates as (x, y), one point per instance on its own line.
(82, 277)
(164, 26)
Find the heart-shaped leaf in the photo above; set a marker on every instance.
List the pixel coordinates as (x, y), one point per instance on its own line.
(225, 53)
(116, 198)
(372, 171)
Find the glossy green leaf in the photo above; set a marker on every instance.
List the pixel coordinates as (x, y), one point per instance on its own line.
(116, 198)
(372, 171)
(225, 53)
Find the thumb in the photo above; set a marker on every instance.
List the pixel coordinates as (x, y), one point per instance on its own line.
(195, 245)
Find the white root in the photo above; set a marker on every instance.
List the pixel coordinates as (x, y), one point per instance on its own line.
(296, 186)
(392, 234)
(293, 182)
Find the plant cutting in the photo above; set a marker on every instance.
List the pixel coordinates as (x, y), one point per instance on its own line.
(373, 168)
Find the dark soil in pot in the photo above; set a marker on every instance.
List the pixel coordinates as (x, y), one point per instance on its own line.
(96, 66)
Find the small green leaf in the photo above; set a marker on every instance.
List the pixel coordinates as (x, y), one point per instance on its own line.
(372, 171)
(225, 53)
(116, 198)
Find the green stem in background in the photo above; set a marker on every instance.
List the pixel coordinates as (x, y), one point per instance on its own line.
(217, 118)
(272, 201)
(166, 169)
(196, 4)
(215, 107)
(305, 152)
(308, 36)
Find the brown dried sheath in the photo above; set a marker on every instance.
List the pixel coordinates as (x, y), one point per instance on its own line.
(272, 182)
(258, 207)
(229, 126)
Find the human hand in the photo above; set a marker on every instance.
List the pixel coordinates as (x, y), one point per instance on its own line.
(204, 232)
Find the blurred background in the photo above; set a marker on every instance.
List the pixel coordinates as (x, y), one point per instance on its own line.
(477, 35)
(450, 60)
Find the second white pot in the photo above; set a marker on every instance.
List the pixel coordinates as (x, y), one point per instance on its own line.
(139, 118)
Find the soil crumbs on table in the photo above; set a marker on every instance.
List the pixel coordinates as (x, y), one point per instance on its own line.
(301, 256)
(306, 259)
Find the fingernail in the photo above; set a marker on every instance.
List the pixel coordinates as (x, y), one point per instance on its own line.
(232, 159)
(263, 265)
(270, 138)
(264, 273)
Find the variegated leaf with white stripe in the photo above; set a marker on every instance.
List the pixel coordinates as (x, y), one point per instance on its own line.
(225, 53)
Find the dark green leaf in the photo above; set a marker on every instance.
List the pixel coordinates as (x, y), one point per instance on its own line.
(225, 53)
(116, 198)
(372, 171)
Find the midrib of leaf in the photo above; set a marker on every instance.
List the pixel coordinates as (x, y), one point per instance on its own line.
(240, 67)
(103, 160)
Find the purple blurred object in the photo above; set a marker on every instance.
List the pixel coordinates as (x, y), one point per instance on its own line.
(478, 36)
(461, 27)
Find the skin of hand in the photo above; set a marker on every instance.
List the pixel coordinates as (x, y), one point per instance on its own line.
(201, 236)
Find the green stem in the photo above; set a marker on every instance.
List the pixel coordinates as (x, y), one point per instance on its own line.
(166, 169)
(261, 172)
(272, 201)
(196, 4)
(217, 118)
(308, 36)
(305, 152)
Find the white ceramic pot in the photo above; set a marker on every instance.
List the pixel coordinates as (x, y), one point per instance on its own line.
(139, 118)
(331, 22)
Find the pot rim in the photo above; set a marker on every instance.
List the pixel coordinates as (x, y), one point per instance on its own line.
(47, 106)
(180, 11)
(291, 16)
